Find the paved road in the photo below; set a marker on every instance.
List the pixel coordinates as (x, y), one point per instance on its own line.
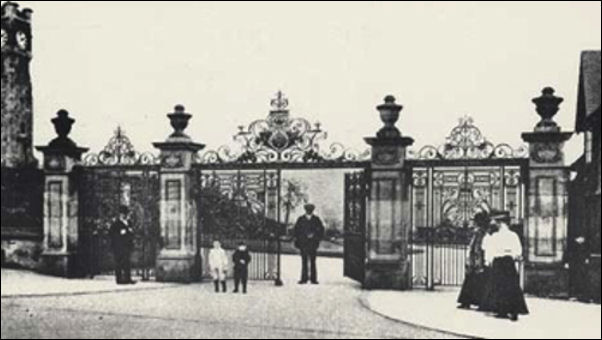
(330, 310)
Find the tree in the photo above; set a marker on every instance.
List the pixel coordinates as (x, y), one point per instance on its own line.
(295, 194)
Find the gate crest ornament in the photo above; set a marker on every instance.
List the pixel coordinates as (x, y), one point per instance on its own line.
(280, 102)
(466, 141)
(281, 138)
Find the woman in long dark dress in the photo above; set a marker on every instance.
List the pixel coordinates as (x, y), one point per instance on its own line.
(503, 294)
(508, 297)
(476, 274)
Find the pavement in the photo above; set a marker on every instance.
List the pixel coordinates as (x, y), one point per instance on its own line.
(18, 283)
(330, 310)
(548, 319)
(37, 306)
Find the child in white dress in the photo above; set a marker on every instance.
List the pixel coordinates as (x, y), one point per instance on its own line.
(218, 265)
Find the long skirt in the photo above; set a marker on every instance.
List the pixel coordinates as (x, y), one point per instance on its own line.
(473, 288)
(502, 294)
(486, 303)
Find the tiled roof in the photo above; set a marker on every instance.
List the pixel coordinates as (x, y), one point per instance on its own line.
(588, 102)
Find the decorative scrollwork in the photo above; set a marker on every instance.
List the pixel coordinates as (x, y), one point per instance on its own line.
(419, 178)
(512, 178)
(119, 151)
(466, 141)
(282, 139)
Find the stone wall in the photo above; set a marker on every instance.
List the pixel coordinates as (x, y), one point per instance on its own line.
(21, 253)
(546, 280)
(21, 224)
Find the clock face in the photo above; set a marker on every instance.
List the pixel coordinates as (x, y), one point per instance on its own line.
(22, 40)
(4, 38)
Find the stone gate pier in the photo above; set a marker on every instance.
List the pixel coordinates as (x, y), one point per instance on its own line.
(545, 234)
(388, 218)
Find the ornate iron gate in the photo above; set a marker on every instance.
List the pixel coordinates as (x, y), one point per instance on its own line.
(241, 206)
(450, 184)
(248, 178)
(355, 225)
(116, 176)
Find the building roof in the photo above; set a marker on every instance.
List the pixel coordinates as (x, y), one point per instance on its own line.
(588, 100)
(578, 164)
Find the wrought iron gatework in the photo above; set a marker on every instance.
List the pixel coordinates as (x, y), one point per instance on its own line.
(119, 176)
(248, 179)
(282, 139)
(119, 151)
(241, 206)
(106, 189)
(450, 184)
(445, 200)
(356, 192)
(466, 142)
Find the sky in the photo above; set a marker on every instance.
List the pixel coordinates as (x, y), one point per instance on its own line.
(128, 64)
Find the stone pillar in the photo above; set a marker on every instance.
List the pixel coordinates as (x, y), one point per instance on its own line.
(388, 212)
(60, 243)
(177, 260)
(547, 201)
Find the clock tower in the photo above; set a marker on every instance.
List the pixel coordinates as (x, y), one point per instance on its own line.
(17, 103)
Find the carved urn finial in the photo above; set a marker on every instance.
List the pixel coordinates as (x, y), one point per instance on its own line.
(389, 114)
(389, 146)
(179, 121)
(62, 144)
(62, 124)
(547, 105)
(547, 140)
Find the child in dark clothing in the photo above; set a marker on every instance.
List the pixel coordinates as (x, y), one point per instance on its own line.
(241, 259)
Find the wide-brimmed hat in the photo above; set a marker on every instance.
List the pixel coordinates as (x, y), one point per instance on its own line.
(482, 219)
(309, 207)
(500, 216)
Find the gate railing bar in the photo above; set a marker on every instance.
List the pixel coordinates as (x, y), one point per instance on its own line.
(340, 165)
(278, 282)
(197, 256)
(429, 243)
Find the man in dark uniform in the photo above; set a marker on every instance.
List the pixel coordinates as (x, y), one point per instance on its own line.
(309, 231)
(122, 241)
(578, 261)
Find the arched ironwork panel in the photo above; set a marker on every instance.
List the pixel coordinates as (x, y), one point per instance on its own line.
(282, 139)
